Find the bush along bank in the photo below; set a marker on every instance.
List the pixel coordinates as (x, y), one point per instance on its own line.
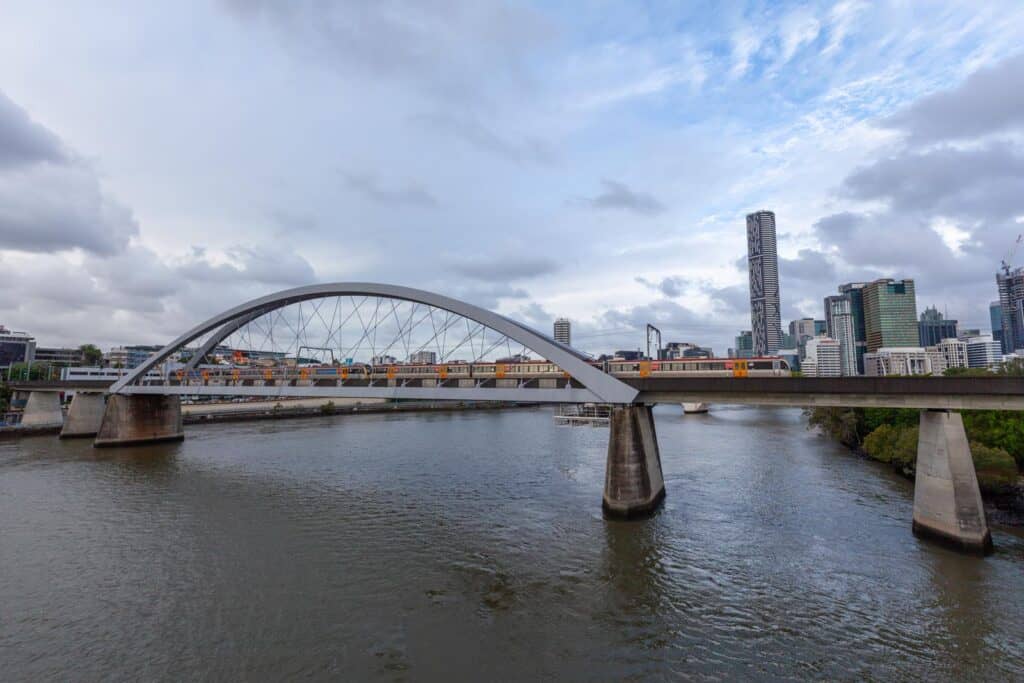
(889, 435)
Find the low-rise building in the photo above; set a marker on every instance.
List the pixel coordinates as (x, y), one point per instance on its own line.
(822, 358)
(901, 360)
(424, 358)
(15, 347)
(983, 352)
(954, 352)
(61, 357)
(674, 350)
(129, 356)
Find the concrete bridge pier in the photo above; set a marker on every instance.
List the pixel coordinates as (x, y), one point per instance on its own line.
(633, 484)
(947, 500)
(84, 415)
(131, 419)
(42, 409)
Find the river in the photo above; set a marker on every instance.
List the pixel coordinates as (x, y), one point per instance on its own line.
(471, 546)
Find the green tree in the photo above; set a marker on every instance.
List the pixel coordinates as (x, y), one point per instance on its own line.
(842, 424)
(997, 429)
(894, 444)
(21, 371)
(967, 372)
(996, 470)
(5, 397)
(91, 355)
(1013, 368)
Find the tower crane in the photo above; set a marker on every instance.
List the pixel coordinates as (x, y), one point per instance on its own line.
(1009, 256)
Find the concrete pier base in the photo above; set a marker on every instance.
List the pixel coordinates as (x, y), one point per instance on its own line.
(947, 500)
(84, 415)
(42, 409)
(131, 419)
(633, 484)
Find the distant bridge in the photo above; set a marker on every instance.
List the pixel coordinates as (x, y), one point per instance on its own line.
(384, 319)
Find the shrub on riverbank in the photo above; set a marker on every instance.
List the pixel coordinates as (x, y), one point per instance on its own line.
(894, 444)
(890, 436)
(996, 470)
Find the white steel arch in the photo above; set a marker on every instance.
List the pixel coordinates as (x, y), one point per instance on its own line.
(605, 387)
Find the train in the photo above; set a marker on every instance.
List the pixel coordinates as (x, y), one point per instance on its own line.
(533, 369)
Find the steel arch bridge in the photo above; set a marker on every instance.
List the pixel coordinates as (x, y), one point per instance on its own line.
(385, 318)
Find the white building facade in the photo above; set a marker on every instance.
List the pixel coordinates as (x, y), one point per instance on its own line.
(900, 360)
(983, 352)
(954, 352)
(822, 358)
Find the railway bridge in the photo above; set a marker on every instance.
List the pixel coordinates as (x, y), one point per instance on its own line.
(464, 352)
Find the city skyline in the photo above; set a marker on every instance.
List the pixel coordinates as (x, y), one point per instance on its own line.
(142, 199)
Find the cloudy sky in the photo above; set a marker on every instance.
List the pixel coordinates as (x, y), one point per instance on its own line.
(160, 162)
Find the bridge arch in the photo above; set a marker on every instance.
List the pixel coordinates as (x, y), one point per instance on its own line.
(603, 386)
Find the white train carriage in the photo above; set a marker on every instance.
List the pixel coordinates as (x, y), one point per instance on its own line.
(701, 367)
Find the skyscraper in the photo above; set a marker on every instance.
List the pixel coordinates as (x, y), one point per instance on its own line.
(1011, 301)
(744, 345)
(933, 328)
(890, 314)
(839, 325)
(995, 312)
(763, 266)
(855, 292)
(563, 331)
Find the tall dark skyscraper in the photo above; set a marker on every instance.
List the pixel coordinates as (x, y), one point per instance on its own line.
(890, 314)
(933, 328)
(1011, 301)
(854, 291)
(995, 313)
(763, 265)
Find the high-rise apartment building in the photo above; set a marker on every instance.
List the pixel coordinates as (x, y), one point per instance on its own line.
(1011, 301)
(763, 266)
(995, 314)
(854, 291)
(563, 331)
(890, 314)
(839, 326)
(933, 328)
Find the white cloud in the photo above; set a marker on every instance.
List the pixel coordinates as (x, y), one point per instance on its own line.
(795, 31)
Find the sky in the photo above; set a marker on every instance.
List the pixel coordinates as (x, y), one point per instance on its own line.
(162, 162)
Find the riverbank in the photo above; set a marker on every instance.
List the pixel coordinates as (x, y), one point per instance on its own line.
(890, 436)
(207, 413)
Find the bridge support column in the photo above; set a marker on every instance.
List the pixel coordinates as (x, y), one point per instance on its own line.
(84, 415)
(140, 418)
(947, 500)
(42, 409)
(633, 483)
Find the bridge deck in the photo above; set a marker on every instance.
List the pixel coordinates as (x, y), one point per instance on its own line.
(950, 393)
(953, 393)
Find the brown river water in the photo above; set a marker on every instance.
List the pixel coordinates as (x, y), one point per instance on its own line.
(471, 546)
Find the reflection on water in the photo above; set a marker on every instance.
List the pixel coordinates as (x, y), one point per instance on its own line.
(472, 545)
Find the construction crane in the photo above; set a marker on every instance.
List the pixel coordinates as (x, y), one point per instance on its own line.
(652, 331)
(1009, 257)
